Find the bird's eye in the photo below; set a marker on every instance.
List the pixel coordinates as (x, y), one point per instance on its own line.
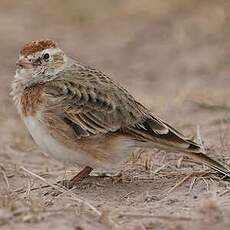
(46, 56)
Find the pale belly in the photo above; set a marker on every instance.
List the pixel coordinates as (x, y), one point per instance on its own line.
(53, 148)
(58, 151)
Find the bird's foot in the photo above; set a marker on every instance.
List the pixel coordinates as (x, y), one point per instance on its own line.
(66, 185)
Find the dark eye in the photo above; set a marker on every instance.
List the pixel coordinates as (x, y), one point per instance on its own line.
(46, 56)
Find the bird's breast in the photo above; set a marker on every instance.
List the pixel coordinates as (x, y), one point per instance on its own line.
(30, 100)
(27, 99)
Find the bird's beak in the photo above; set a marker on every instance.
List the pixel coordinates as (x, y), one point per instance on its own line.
(24, 64)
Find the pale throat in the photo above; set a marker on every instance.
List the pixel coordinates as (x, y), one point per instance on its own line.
(25, 75)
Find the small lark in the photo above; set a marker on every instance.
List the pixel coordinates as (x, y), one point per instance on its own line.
(79, 115)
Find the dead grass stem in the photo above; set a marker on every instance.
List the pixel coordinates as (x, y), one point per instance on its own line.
(62, 190)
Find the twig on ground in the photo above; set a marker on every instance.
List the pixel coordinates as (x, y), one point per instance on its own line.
(28, 190)
(5, 179)
(158, 169)
(199, 138)
(175, 173)
(177, 185)
(172, 218)
(223, 135)
(179, 161)
(63, 190)
(23, 190)
(192, 184)
(58, 188)
(126, 195)
(205, 181)
(199, 176)
(224, 193)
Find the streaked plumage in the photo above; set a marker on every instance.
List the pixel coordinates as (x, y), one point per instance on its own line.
(80, 115)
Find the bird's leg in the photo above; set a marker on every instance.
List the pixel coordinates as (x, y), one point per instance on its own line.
(80, 176)
(76, 179)
(68, 184)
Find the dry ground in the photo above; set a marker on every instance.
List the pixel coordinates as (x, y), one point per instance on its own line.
(174, 57)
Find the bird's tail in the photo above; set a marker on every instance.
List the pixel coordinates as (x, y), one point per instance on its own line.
(154, 133)
(210, 162)
(196, 152)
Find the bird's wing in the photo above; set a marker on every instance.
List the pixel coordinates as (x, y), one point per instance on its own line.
(91, 103)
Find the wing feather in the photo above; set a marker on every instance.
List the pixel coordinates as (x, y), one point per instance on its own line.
(97, 105)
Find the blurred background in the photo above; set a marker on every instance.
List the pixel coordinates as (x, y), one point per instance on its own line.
(173, 55)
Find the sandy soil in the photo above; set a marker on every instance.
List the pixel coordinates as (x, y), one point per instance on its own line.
(174, 57)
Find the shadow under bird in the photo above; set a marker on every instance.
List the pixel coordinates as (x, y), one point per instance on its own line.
(81, 116)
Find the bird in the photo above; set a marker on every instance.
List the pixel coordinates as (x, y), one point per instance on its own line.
(81, 116)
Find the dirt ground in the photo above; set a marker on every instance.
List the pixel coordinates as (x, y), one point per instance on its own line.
(174, 57)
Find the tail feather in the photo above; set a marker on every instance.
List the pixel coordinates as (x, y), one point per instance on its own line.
(173, 140)
(196, 151)
(205, 159)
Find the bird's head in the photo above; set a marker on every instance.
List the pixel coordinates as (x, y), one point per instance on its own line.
(41, 57)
